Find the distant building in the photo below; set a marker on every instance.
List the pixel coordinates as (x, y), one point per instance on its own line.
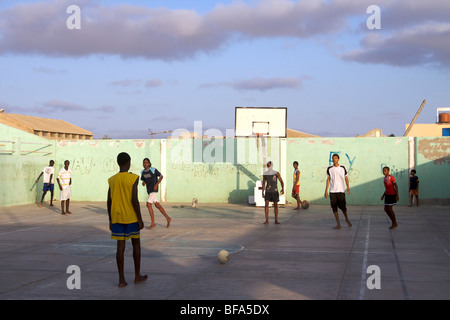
(439, 129)
(299, 134)
(46, 128)
(372, 133)
(289, 134)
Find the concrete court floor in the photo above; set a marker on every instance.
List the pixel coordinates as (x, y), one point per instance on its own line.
(302, 258)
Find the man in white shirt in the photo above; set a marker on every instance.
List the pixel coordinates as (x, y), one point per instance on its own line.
(337, 181)
(48, 173)
(64, 181)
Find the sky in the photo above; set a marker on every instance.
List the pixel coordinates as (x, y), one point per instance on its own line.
(131, 66)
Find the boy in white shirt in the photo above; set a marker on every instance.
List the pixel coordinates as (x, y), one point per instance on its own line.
(48, 173)
(64, 181)
(337, 181)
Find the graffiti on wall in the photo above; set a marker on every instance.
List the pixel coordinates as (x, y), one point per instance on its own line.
(353, 173)
(394, 171)
(88, 165)
(212, 170)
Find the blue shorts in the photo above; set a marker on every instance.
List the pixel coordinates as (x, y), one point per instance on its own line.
(121, 231)
(48, 187)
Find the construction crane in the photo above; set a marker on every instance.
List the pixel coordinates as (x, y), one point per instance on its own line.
(415, 118)
(151, 133)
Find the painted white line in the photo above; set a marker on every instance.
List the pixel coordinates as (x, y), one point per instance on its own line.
(362, 288)
(44, 225)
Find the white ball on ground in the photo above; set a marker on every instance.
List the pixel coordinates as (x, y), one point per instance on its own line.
(223, 256)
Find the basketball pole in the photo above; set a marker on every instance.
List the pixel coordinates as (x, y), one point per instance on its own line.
(260, 136)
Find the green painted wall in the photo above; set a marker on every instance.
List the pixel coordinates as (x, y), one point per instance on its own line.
(94, 161)
(433, 168)
(223, 170)
(22, 158)
(212, 170)
(363, 158)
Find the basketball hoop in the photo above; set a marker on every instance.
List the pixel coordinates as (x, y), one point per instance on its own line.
(258, 122)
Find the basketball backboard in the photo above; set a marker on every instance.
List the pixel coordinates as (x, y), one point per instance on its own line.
(267, 121)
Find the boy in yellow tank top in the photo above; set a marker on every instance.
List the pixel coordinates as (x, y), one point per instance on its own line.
(125, 218)
(296, 186)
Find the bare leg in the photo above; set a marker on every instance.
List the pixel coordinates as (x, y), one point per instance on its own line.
(138, 278)
(152, 215)
(62, 207)
(51, 199)
(390, 212)
(336, 216)
(275, 205)
(346, 219)
(394, 221)
(67, 206)
(266, 212)
(299, 202)
(161, 209)
(42, 199)
(120, 262)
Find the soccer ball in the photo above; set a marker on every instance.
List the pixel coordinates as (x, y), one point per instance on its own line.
(223, 256)
(305, 204)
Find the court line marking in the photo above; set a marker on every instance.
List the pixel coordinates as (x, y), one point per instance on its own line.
(44, 226)
(362, 288)
(399, 269)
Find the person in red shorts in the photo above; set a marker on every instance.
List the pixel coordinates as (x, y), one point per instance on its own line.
(413, 188)
(296, 186)
(390, 196)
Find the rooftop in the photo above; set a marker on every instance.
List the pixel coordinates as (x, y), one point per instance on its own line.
(44, 127)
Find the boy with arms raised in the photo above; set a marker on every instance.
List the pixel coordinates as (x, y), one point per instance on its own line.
(125, 218)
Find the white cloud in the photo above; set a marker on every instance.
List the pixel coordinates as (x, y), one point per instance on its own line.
(157, 33)
(263, 84)
(49, 71)
(153, 83)
(174, 34)
(428, 43)
(59, 105)
(258, 83)
(126, 83)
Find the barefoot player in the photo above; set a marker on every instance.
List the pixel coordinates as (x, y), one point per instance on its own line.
(337, 181)
(270, 187)
(151, 178)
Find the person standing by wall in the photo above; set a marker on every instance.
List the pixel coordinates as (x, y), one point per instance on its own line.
(337, 182)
